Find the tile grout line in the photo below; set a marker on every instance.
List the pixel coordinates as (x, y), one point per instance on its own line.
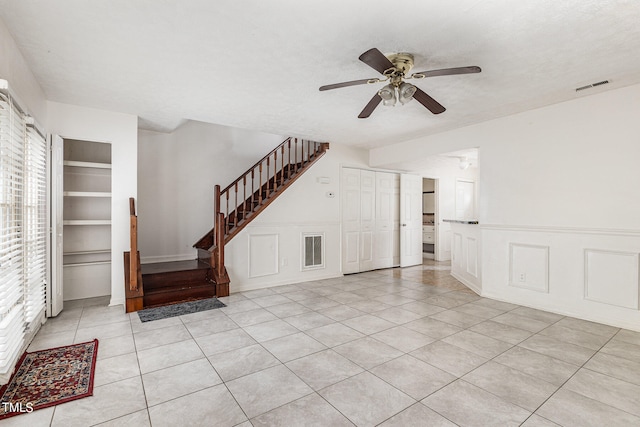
(144, 390)
(572, 375)
(214, 369)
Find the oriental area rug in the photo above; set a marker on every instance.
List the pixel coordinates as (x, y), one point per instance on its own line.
(49, 377)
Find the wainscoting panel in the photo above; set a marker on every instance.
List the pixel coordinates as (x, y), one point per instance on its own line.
(263, 254)
(611, 277)
(472, 256)
(529, 267)
(465, 265)
(456, 251)
(588, 273)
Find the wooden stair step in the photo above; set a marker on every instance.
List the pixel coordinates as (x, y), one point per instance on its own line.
(171, 266)
(171, 274)
(178, 293)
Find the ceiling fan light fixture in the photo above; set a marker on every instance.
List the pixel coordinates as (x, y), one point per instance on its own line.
(388, 95)
(395, 69)
(405, 92)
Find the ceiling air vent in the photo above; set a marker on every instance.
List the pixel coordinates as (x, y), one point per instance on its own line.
(604, 82)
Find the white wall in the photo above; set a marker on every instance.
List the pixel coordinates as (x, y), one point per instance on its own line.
(22, 83)
(177, 173)
(563, 180)
(304, 207)
(121, 131)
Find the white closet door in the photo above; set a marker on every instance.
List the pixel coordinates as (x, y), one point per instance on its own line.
(396, 219)
(367, 218)
(410, 220)
(350, 220)
(383, 235)
(55, 288)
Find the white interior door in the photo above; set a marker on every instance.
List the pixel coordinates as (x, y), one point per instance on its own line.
(383, 236)
(367, 218)
(350, 220)
(410, 220)
(55, 287)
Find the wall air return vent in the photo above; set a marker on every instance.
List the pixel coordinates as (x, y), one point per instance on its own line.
(581, 88)
(313, 251)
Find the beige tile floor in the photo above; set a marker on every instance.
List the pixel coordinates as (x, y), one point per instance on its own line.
(399, 347)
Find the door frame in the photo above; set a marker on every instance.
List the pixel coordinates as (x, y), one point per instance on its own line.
(55, 295)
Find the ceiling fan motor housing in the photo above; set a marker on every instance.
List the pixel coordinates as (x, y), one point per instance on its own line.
(403, 63)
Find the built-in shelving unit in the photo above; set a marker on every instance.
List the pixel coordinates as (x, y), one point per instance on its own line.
(87, 219)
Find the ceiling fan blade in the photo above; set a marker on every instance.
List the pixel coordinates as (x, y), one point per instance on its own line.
(450, 71)
(428, 102)
(368, 109)
(376, 60)
(345, 84)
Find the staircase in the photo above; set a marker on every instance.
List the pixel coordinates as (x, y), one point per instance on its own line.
(234, 207)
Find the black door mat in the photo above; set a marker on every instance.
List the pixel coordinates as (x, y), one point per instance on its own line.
(173, 310)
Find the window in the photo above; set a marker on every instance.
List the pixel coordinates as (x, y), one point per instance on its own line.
(34, 213)
(22, 230)
(313, 251)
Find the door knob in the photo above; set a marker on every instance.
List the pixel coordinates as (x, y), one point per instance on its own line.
(404, 225)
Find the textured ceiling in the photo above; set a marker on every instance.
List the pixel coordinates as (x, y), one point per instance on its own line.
(258, 64)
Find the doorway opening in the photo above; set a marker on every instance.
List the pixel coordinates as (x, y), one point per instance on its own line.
(429, 214)
(81, 206)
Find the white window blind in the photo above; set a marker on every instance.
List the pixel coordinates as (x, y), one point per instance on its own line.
(22, 230)
(12, 137)
(34, 224)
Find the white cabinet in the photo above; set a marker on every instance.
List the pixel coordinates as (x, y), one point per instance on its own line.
(86, 219)
(428, 234)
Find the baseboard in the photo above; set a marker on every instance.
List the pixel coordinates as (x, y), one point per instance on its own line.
(253, 287)
(116, 301)
(475, 288)
(618, 323)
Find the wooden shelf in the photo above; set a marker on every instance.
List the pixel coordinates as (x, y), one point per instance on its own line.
(84, 264)
(86, 222)
(97, 251)
(86, 194)
(94, 165)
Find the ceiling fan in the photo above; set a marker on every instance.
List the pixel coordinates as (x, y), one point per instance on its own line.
(395, 69)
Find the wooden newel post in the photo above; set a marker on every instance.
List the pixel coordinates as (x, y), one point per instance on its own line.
(133, 264)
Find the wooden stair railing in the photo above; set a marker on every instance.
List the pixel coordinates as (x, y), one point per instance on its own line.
(241, 201)
(134, 291)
